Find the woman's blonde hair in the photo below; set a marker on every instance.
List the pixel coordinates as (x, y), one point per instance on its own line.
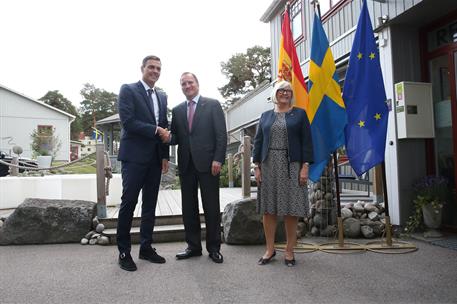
(282, 84)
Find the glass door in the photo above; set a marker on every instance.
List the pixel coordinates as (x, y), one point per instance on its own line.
(441, 78)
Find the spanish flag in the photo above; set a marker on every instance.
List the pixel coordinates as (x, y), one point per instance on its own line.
(289, 66)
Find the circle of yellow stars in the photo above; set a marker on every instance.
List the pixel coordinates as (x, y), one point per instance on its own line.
(361, 123)
(377, 116)
(372, 56)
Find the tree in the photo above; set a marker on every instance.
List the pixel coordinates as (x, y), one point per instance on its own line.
(97, 104)
(245, 71)
(57, 100)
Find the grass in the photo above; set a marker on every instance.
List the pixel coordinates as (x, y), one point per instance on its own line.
(76, 168)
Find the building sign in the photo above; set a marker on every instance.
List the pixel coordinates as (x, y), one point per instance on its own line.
(442, 36)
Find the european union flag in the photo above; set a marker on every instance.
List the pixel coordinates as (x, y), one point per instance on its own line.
(326, 110)
(365, 99)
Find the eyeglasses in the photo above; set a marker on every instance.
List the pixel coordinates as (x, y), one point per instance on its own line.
(284, 91)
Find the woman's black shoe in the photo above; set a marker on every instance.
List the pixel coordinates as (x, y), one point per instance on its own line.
(289, 263)
(264, 261)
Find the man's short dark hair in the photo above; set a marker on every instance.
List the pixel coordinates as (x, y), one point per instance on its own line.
(150, 57)
(193, 75)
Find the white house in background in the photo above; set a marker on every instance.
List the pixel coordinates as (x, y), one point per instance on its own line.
(21, 115)
(88, 146)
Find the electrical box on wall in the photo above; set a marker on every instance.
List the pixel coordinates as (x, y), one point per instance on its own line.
(414, 110)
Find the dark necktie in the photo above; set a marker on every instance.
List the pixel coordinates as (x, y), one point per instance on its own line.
(190, 113)
(150, 92)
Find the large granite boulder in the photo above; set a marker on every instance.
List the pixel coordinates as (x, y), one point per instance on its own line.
(351, 228)
(38, 221)
(242, 224)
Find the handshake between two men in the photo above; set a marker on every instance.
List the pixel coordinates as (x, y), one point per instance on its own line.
(164, 134)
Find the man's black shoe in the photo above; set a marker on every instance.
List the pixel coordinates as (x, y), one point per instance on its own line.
(188, 253)
(126, 262)
(216, 257)
(151, 255)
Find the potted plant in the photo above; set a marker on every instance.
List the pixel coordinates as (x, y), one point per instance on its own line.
(431, 193)
(45, 145)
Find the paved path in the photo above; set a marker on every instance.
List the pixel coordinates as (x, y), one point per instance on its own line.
(73, 273)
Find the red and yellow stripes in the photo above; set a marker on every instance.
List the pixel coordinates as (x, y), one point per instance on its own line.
(289, 67)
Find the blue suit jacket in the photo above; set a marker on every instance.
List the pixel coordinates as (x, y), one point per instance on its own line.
(298, 135)
(139, 141)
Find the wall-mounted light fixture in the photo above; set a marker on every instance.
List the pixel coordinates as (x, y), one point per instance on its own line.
(381, 20)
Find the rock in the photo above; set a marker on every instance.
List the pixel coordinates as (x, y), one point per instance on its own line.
(373, 215)
(318, 194)
(103, 240)
(95, 235)
(45, 221)
(317, 220)
(364, 216)
(365, 222)
(84, 241)
(1, 223)
(95, 222)
(319, 204)
(100, 228)
(301, 227)
(92, 241)
(242, 224)
(351, 227)
(89, 234)
(329, 231)
(358, 207)
(346, 213)
(378, 228)
(348, 205)
(328, 197)
(367, 232)
(314, 231)
(370, 207)
(312, 212)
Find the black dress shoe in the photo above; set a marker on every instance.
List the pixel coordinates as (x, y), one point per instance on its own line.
(151, 255)
(216, 257)
(289, 263)
(126, 262)
(188, 253)
(264, 261)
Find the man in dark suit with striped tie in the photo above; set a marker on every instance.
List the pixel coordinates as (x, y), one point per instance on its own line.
(143, 115)
(198, 128)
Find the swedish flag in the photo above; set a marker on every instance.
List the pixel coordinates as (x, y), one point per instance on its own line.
(365, 98)
(326, 110)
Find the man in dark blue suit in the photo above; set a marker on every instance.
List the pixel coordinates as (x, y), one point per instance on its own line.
(143, 114)
(198, 128)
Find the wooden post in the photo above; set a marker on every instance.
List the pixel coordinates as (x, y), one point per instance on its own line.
(230, 169)
(101, 194)
(246, 169)
(378, 191)
(14, 171)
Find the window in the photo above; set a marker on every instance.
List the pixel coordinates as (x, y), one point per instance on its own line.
(327, 5)
(44, 130)
(296, 20)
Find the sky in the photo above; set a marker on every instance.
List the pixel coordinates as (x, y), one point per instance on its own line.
(60, 45)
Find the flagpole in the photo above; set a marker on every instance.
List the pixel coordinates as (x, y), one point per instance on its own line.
(386, 206)
(338, 202)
